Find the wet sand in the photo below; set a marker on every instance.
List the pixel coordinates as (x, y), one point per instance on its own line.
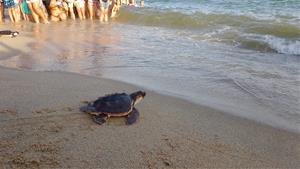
(41, 127)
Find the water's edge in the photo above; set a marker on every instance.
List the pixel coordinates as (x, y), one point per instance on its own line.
(164, 93)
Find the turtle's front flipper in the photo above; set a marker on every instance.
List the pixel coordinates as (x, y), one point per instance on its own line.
(99, 119)
(133, 116)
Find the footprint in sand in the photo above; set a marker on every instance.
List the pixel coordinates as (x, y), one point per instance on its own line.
(51, 127)
(170, 143)
(37, 155)
(85, 102)
(67, 109)
(44, 111)
(8, 112)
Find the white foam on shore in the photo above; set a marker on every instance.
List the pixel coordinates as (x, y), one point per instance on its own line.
(282, 45)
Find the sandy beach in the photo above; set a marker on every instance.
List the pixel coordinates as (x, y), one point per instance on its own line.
(41, 127)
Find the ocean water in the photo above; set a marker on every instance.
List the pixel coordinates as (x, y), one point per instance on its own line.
(269, 25)
(241, 57)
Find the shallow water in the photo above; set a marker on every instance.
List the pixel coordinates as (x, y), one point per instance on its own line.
(264, 25)
(262, 86)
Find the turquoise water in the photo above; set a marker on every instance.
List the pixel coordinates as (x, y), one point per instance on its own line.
(241, 57)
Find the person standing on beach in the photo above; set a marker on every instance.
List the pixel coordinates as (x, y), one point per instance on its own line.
(37, 11)
(1, 11)
(104, 6)
(142, 4)
(132, 3)
(10, 5)
(17, 11)
(57, 11)
(92, 7)
(125, 2)
(21, 9)
(115, 8)
(25, 11)
(80, 7)
(44, 9)
(71, 9)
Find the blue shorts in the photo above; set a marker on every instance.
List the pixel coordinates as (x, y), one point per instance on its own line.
(9, 3)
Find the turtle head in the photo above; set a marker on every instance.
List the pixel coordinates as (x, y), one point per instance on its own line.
(14, 34)
(137, 96)
(88, 108)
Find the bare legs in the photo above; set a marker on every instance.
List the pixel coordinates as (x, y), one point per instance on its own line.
(91, 9)
(104, 11)
(80, 7)
(115, 9)
(104, 15)
(34, 15)
(1, 12)
(71, 10)
(37, 12)
(142, 3)
(23, 13)
(11, 14)
(132, 2)
(17, 10)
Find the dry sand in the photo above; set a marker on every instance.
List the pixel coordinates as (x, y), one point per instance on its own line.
(41, 127)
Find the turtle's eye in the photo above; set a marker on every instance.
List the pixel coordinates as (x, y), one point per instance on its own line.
(141, 94)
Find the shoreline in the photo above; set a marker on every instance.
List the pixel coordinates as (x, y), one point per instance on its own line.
(218, 109)
(164, 94)
(172, 95)
(42, 127)
(11, 48)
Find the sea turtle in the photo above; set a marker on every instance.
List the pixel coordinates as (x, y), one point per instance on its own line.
(115, 105)
(9, 33)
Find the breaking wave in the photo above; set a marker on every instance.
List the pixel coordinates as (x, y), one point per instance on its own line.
(239, 30)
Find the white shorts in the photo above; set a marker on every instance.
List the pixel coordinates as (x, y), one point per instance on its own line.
(79, 3)
(16, 2)
(104, 5)
(32, 1)
(70, 3)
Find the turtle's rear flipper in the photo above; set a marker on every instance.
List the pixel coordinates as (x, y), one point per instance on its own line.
(133, 116)
(100, 119)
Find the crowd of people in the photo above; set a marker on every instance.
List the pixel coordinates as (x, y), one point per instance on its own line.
(58, 10)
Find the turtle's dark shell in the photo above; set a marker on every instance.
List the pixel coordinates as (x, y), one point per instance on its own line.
(9, 33)
(114, 104)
